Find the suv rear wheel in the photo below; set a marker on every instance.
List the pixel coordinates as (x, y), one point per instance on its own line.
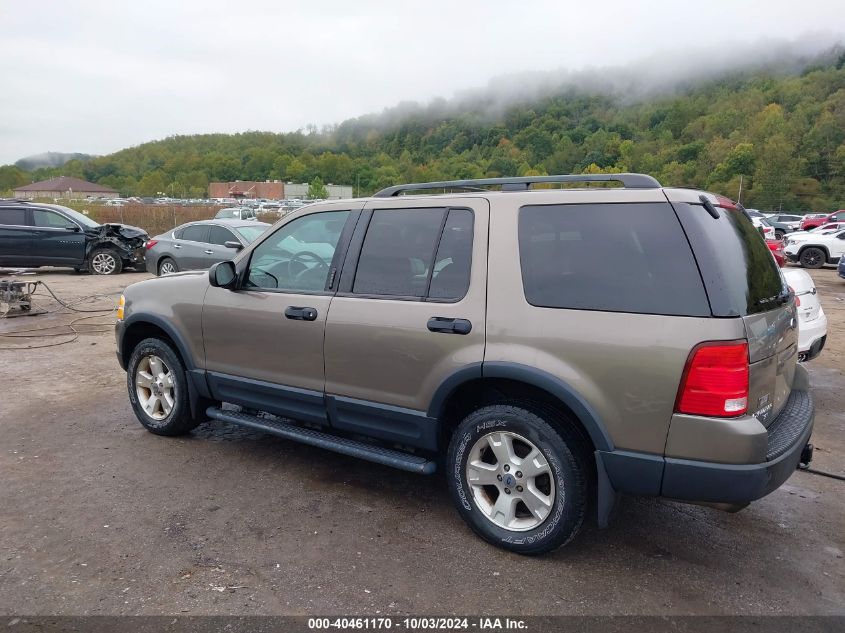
(812, 257)
(158, 389)
(517, 481)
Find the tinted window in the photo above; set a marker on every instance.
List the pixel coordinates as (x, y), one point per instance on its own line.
(398, 251)
(220, 235)
(195, 233)
(298, 256)
(13, 217)
(40, 217)
(741, 275)
(450, 279)
(613, 257)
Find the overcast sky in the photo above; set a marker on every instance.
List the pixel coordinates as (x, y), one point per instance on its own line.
(98, 76)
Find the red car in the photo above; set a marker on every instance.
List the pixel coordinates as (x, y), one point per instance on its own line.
(813, 220)
(776, 246)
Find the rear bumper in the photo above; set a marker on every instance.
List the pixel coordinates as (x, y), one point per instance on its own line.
(711, 482)
(811, 336)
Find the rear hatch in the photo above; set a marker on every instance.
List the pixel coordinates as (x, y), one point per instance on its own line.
(743, 280)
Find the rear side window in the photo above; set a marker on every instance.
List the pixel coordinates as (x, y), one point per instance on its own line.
(195, 233)
(13, 217)
(398, 251)
(609, 257)
(450, 278)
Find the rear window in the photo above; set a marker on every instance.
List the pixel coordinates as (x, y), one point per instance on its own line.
(12, 217)
(609, 257)
(740, 273)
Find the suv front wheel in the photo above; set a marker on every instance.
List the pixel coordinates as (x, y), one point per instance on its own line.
(158, 389)
(519, 482)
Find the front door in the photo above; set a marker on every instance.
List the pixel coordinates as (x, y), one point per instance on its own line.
(264, 341)
(412, 315)
(56, 240)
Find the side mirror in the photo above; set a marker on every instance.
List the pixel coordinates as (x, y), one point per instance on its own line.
(223, 275)
(233, 244)
(72, 228)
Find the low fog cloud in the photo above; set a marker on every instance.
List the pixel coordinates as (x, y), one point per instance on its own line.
(96, 77)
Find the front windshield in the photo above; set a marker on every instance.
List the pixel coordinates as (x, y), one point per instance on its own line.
(251, 233)
(75, 215)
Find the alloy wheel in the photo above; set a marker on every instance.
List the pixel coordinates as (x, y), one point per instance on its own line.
(511, 481)
(155, 387)
(103, 263)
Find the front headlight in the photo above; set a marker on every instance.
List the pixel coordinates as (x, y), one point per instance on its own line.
(120, 305)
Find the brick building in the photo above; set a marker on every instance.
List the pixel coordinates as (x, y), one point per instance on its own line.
(271, 190)
(65, 187)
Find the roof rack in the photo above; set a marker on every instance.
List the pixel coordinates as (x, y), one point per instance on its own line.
(523, 183)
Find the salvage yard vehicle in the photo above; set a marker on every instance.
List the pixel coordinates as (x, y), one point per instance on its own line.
(484, 331)
(33, 234)
(236, 213)
(814, 249)
(812, 321)
(198, 245)
(813, 220)
(784, 223)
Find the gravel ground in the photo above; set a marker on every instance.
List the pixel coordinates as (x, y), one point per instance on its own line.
(97, 516)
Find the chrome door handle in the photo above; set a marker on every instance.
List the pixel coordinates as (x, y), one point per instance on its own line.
(177, 246)
(209, 252)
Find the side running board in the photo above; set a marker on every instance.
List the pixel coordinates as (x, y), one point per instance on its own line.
(353, 448)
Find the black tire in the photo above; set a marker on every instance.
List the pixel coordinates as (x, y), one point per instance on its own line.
(779, 234)
(167, 260)
(812, 257)
(567, 456)
(104, 261)
(179, 420)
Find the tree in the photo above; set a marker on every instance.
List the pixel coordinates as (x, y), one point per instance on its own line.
(316, 190)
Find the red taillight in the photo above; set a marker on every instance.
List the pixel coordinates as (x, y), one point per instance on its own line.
(715, 380)
(150, 244)
(797, 298)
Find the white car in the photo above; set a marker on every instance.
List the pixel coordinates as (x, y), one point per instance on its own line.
(812, 322)
(815, 249)
(761, 223)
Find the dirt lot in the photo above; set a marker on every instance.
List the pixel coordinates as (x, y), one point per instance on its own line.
(97, 516)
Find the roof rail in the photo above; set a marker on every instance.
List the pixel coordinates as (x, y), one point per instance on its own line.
(523, 183)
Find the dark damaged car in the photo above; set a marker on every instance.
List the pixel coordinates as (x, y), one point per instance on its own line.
(34, 234)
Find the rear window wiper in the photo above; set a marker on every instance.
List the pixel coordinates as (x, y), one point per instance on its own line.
(711, 208)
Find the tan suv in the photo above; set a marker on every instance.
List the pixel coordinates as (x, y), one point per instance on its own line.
(550, 347)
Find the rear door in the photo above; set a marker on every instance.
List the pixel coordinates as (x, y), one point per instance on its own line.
(190, 247)
(408, 315)
(15, 237)
(57, 241)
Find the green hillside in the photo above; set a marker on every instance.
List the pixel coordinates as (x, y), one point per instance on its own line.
(784, 135)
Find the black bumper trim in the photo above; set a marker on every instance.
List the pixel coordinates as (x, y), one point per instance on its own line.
(712, 482)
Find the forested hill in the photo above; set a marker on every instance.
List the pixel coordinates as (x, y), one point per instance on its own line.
(784, 135)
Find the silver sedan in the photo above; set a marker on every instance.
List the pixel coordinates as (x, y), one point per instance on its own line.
(198, 245)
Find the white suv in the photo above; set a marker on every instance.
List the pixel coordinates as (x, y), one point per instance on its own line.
(814, 250)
